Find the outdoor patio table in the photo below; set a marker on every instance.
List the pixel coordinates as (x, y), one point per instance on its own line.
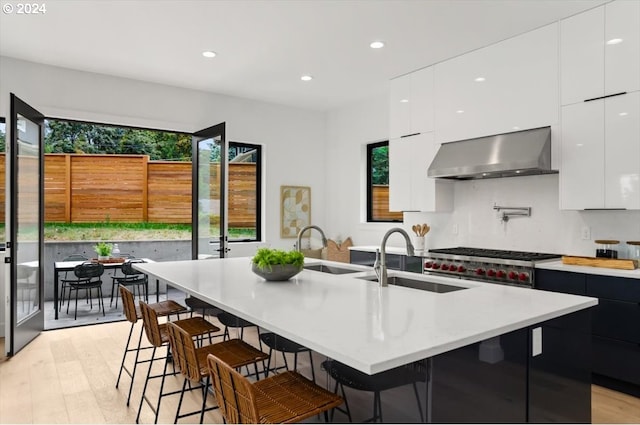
(68, 266)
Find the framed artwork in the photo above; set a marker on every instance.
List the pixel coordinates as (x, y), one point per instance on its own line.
(295, 210)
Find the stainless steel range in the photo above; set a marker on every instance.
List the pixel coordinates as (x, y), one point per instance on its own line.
(488, 265)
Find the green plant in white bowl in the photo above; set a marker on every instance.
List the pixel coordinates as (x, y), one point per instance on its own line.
(276, 264)
(103, 250)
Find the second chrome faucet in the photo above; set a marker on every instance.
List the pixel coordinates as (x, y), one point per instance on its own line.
(380, 266)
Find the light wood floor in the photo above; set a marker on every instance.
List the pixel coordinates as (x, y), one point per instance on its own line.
(68, 376)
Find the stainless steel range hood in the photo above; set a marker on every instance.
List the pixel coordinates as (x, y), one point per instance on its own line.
(520, 153)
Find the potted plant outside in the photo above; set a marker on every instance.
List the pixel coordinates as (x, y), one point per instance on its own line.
(276, 264)
(103, 250)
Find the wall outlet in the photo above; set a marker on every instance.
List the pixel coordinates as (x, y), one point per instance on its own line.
(454, 229)
(586, 233)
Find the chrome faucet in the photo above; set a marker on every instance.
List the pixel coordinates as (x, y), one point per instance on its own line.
(304, 229)
(380, 267)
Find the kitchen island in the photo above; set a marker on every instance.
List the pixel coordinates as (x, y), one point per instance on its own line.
(374, 329)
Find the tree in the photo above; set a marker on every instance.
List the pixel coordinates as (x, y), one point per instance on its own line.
(76, 137)
(380, 165)
(3, 137)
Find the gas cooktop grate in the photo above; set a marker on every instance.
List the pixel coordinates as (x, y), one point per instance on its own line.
(495, 253)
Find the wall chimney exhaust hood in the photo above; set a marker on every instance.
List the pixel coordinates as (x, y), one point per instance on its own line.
(521, 153)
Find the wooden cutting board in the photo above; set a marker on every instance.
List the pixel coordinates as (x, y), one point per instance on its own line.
(609, 263)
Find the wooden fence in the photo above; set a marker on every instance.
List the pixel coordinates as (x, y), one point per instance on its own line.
(130, 188)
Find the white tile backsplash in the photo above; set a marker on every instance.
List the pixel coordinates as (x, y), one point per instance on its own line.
(547, 230)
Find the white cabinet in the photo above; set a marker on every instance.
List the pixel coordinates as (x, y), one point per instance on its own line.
(582, 156)
(510, 85)
(622, 154)
(600, 52)
(600, 158)
(409, 187)
(411, 103)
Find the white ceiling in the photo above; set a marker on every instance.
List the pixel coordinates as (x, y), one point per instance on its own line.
(265, 46)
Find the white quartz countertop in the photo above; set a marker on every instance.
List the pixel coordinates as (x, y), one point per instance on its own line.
(603, 271)
(359, 323)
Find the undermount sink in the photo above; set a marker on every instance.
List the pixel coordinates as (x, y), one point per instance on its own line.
(417, 284)
(330, 269)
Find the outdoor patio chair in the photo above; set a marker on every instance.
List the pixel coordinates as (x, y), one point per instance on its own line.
(64, 281)
(88, 278)
(131, 278)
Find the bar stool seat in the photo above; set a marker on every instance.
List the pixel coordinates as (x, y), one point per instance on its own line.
(192, 361)
(133, 314)
(158, 336)
(284, 345)
(393, 378)
(284, 398)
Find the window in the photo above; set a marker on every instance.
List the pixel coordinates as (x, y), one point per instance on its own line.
(378, 184)
(245, 170)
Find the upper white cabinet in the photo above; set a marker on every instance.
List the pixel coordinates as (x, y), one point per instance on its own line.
(600, 165)
(411, 103)
(409, 187)
(600, 52)
(504, 87)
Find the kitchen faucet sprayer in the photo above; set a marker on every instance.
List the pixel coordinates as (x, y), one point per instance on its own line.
(304, 229)
(381, 266)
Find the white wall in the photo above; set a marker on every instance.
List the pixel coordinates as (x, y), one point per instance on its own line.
(293, 139)
(349, 129)
(547, 230)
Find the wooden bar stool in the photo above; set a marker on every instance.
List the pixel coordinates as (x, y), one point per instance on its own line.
(283, 398)
(193, 365)
(158, 336)
(164, 308)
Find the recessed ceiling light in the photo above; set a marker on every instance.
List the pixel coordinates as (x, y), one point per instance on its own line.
(516, 127)
(579, 145)
(376, 45)
(614, 41)
(479, 79)
(404, 100)
(622, 114)
(518, 171)
(306, 78)
(459, 111)
(209, 54)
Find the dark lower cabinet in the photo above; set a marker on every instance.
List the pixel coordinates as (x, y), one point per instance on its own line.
(560, 377)
(615, 323)
(499, 381)
(482, 383)
(618, 360)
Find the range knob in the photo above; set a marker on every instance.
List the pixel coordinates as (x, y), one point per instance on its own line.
(444, 267)
(501, 274)
(491, 273)
(462, 269)
(435, 266)
(512, 275)
(523, 276)
(480, 272)
(428, 265)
